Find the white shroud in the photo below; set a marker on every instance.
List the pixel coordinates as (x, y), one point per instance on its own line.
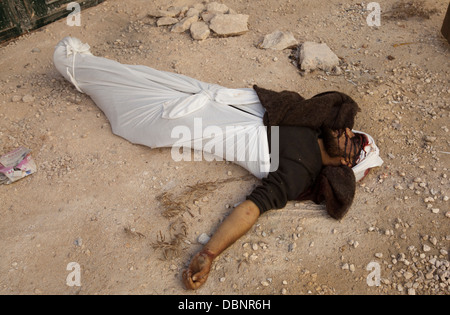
(150, 107)
(155, 108)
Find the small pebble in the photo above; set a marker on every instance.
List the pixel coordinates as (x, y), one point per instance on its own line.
(203, 239)
(28, 98)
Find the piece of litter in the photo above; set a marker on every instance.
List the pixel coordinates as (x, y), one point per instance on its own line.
(16, 165)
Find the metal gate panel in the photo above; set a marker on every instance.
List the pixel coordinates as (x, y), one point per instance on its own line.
(21, 16)
(8, 21)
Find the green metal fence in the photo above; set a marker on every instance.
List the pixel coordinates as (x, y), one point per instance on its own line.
(21, 16)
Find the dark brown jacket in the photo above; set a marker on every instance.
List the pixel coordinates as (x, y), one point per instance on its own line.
(335, 186)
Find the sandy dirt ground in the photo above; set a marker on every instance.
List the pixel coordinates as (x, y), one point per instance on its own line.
(95, 198)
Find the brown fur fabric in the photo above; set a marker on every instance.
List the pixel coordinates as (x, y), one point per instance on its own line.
(332, 110)
(336, 186)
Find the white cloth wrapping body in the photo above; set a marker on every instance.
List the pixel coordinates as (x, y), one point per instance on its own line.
(150, 107)
(156, 108)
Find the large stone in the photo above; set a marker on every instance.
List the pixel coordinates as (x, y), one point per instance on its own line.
(184, 24)
(192, 12)
(217, 8)
(229, 24)
(178, 11)
(314, 56)
(200, 31)
(161, 13)
(165, 21)
(208, 16)
(279, 41)
(171, 12)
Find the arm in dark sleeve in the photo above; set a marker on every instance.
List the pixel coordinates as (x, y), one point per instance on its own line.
(280, 187)
(271, 194)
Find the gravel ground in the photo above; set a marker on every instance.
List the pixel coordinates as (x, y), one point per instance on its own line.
(98, 200)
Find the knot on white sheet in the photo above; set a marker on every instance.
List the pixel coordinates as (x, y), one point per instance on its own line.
(75, 46)
(236, 96)
(183, 106)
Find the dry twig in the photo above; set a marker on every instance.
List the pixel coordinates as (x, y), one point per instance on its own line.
(132, 232)
(178, 233)
(174, 206)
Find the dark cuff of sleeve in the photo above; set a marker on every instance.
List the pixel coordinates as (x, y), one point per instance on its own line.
(262, 207)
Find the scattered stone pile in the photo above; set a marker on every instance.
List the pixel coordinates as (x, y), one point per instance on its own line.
(202, 20)
(419, 272)
(205, 19)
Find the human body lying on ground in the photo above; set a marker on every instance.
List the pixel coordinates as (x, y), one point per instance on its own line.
(318, 155)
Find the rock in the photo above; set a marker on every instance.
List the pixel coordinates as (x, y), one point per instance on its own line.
(163, 13)
(78, 242)
(336, 71)
(200, 31)
(199, 6)
(292, 247)
(314, 56)
(16, 98)
(217, 7)
(192, 12)
(408, 275)
(229, 24)
(184, 24)
(28, 98)
(166, 21)
(208, 16)
(178, 11)
(279, 41)
(203, 239)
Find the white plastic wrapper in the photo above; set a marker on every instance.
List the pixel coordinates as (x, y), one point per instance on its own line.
(16, 165)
